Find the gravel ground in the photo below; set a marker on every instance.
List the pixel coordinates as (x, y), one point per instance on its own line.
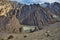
(50, 32)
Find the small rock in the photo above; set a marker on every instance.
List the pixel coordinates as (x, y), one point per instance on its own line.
(25, 36)
(47, 33)
(10, 37)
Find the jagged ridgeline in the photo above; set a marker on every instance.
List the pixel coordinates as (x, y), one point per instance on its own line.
(14, 14)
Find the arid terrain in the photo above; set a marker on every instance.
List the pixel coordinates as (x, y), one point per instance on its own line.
(50, 32)
(29, 22)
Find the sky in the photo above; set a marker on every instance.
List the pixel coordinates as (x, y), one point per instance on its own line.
(36, 1)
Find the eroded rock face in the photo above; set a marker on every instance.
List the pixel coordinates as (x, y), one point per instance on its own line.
(5, 7)
(36, 15)
(8, 22)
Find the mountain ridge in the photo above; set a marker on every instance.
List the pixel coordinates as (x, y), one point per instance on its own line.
(32, 15)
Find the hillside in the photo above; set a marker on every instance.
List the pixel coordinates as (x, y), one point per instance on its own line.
(29, 22)
(30, 15)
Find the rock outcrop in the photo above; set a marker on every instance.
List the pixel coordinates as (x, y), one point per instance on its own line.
(5, 7)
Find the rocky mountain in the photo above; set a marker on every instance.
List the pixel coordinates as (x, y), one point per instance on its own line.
(31, 15)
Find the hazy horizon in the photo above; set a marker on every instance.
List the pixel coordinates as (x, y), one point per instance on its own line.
(36, 1)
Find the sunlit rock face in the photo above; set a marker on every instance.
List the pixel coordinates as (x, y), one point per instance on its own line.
(5, 7)
(31, 15)
(5, 14)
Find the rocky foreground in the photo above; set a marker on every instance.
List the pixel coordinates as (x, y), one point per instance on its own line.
(50, 32)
